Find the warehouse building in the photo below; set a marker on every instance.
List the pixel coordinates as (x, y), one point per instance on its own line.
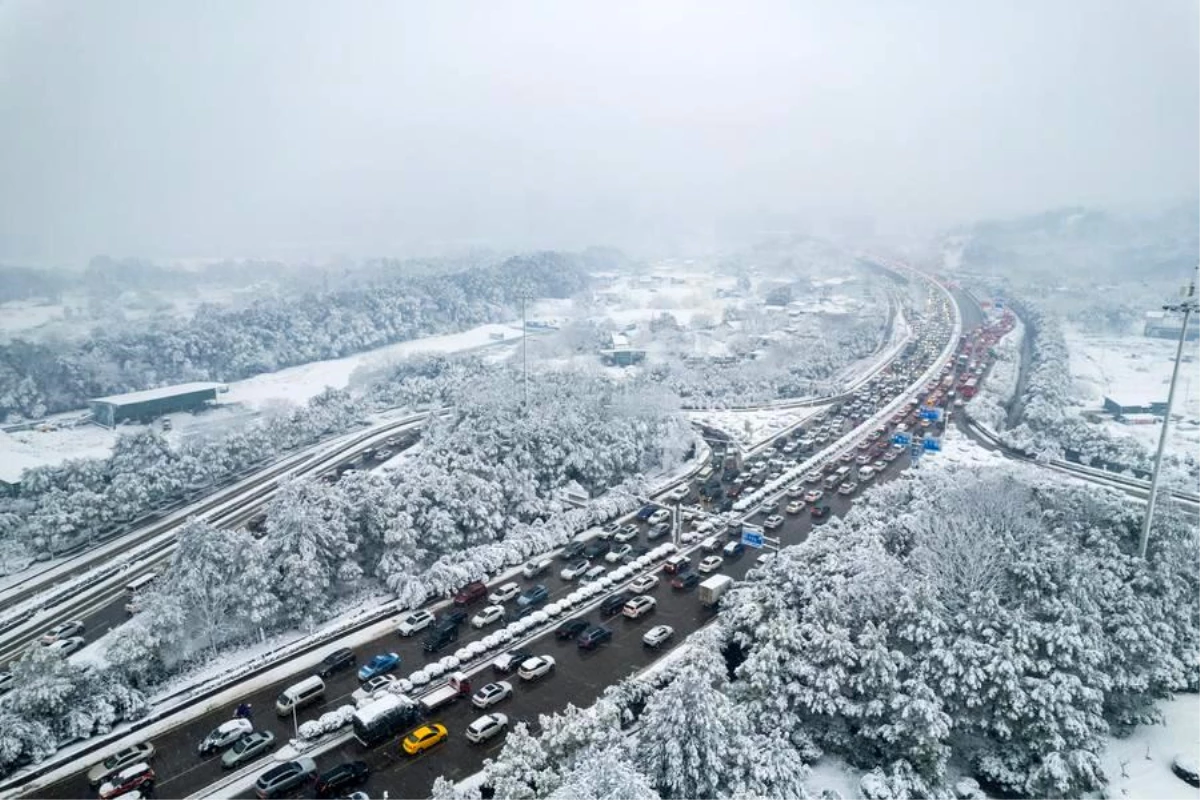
(1160, 325)
(1127, 406)
(151, 403)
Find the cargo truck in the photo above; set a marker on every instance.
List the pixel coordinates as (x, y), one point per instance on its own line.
(711, 590)
(444, 695)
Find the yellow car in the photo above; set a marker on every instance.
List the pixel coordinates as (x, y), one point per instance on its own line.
(424, 738)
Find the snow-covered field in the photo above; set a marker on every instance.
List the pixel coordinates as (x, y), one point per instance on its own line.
(298, 384)
(72, 316)
(1139, 767)
(1138, 368)
(18, 317)
(246, 399)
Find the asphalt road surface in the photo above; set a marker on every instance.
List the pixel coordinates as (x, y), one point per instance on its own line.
(106, 615)
(579, 678)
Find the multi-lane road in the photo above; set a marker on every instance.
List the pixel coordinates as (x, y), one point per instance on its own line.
(90, 587)
(579, 678)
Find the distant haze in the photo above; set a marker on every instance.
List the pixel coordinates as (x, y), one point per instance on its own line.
(294, 130)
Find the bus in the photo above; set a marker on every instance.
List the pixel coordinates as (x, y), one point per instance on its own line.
(141, 582)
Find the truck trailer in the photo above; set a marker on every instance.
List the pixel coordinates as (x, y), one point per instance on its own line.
(711, 590)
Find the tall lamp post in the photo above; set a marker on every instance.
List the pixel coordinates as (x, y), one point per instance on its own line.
(1189, 306)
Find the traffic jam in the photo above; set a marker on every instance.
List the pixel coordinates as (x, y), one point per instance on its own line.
(436, 694)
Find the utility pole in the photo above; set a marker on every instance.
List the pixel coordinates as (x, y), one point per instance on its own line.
(524, 354)
(1189, 306)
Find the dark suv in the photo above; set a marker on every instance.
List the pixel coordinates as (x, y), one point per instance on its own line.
(573, 550)
(440, 636)
(473, 592)
(336, 781)
(593, 637)
(614, 603)
(337, 661)
(595, 548)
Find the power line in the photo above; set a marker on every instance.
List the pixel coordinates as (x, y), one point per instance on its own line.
(1189, 306)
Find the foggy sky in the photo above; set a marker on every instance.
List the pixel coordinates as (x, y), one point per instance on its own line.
(172, 129)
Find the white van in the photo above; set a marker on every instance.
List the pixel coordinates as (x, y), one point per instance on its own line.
(141, 582)
(299, 695)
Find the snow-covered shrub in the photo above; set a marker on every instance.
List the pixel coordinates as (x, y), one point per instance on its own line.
(311, 729)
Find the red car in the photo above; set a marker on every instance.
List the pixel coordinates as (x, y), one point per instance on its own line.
(473, 592)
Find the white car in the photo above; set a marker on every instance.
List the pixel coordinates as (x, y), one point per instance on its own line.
(486, 727)
(491, 694)
(848, 488)
(225, 734)
(709, 564)
(658, 635)
(371, 686)
(814, 496)
(812, 477)
(487, 616)
(794, 507)
(535, 566)
(505, 593)
(626, 534)
(772, 522)
(65, 647)
(711, 545)
(661, 515)
(764, 559)
(639, 606)
(63, 630)
(644, 583)
(574, 570)
(592, 574)
(795, 490)
(615, 555)
(414, 622)
(533, 668)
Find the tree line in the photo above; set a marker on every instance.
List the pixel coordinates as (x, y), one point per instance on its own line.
(39, 378)
(970, 617)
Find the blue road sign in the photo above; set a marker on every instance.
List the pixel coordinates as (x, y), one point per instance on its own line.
(915, 451)
(931, 413)
(752, 538)
(933, 445)
(901, 438)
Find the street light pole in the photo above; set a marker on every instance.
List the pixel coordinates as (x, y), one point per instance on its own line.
(1188, 307)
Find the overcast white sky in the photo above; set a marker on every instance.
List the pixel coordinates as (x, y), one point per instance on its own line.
(307, 130)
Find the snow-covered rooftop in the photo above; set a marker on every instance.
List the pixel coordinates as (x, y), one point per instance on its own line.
(156, 394)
